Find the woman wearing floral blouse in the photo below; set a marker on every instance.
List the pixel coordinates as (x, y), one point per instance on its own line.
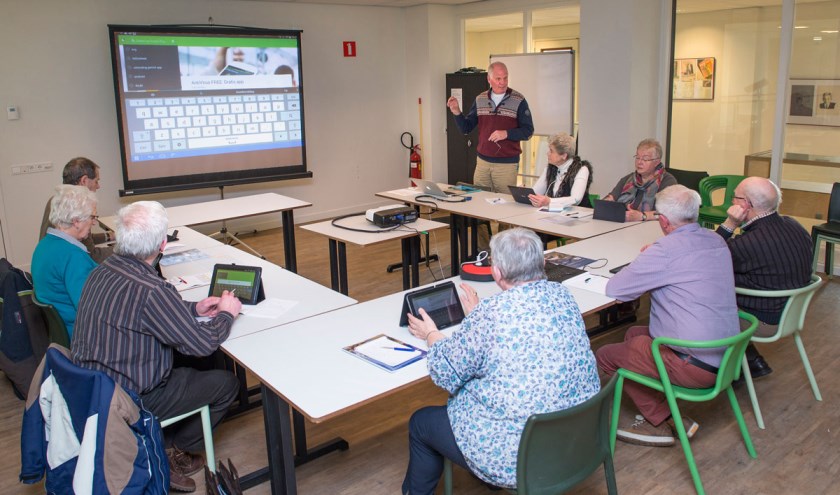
(523, 351)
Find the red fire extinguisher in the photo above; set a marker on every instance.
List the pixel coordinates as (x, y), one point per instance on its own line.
(415, 165)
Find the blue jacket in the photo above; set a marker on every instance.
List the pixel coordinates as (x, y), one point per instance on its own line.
(88, 434)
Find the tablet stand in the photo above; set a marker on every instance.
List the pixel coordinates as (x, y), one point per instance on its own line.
(226, 236)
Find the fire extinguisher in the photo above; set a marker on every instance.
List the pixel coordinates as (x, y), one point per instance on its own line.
(415, 165)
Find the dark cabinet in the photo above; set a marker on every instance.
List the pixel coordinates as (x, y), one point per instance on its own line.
(461, 148)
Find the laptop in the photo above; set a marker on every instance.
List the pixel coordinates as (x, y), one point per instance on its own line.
(430, 188)
(520, 194)
(611, 211)
(441, 303)
(560, 266)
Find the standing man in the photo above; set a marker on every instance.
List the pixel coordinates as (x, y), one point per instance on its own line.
(688, 273)
(129, 323)
(82, 171)
(503, 119)
(772, 253)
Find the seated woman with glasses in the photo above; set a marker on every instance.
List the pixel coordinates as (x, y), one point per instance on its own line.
(520, 352)
(638, 189)
(566, 179)
(61, 263)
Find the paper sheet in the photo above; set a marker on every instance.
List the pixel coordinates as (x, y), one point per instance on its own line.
(588, 281)
(190, 281)
(182, 257)
(269, 308)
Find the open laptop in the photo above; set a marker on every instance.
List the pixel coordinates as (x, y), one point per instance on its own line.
(520, 194)
(430, 188)
(611, 211)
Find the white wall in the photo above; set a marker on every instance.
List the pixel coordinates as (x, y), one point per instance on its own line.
(62, 82)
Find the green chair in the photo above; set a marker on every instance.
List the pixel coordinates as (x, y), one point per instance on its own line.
(711, 214)
(560, 449)
(55, 325)
(688, 178)
(729, 369)
(207, 430)
(790, 323)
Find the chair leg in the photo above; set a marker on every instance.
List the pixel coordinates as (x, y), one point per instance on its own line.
(829, 258)
(209, 450)
(745, 370)
(619, 385)
(797, 337)
(447, 476)
(689, 456)
(733, 401)
(609, 473)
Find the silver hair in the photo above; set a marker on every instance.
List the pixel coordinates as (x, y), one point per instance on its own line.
(494, 65)
(71, 203)
(679, 203)
(518, 254)
(563, 143)
(650, 143)
(141, 229)
(761, 197)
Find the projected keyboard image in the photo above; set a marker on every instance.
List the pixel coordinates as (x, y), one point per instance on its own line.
(186, 125)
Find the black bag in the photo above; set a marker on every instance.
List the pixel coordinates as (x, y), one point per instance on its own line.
(225, 481)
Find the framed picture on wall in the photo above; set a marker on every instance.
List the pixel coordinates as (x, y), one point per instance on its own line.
(694, 79)
(814, 102)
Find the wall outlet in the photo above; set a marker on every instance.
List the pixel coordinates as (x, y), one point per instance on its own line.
(32, 168)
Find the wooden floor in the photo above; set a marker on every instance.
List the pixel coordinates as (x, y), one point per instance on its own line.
(799, 452)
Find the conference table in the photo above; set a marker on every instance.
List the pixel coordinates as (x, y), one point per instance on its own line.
(467, 209)
(232, 208)
(335, 381)
(365, 233)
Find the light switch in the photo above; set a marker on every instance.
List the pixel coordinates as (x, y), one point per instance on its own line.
(12, 112)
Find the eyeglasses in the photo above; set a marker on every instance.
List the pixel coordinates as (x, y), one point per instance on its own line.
(94, 217)
(745, 200)
(646, 160)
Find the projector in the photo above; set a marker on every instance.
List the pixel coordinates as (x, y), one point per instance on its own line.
(391, 215)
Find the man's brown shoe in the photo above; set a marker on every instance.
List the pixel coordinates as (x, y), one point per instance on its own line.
(183, 462)
(180, 483)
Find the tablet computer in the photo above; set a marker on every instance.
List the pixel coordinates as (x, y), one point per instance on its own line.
(244, 281)
(520, 194)
(611, 211)
(441, 303)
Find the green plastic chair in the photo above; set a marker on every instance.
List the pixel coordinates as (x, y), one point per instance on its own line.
(55, 325)
(207, 430)
(729, 370)
(711, 214)
(560, 449)
(790, 323)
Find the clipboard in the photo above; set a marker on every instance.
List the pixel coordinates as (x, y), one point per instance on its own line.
(386, 352)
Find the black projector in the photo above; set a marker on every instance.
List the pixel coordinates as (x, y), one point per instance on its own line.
(389, 216)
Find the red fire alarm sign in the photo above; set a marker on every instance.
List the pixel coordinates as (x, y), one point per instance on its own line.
(349, 48)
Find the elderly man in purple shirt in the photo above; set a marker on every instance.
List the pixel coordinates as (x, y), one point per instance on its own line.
(688, 273)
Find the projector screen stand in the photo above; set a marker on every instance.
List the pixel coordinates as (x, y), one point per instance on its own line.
(225, 235)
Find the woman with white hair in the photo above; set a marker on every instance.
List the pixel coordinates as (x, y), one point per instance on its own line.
(566, 179)
(61, 263)
(520, 352)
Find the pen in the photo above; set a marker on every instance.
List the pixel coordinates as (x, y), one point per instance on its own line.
(587, 280)
(407, 349)
(233, 292)
(182, 280)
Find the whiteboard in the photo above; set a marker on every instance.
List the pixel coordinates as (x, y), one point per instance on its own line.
(547, 81)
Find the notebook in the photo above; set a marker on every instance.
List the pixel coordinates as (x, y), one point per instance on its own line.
(431, 189)
(520, 194)
(611, 211)
(441, 303)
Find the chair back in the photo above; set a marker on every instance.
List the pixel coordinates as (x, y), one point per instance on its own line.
(793, 315)
(715, 182)
(559, 449)
(689, 178)
(834, 204)
(55, 324)
(730, 364)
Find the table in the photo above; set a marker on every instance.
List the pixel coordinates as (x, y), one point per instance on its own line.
(228, 209)
(335, 382)
(409, 234)
(484, 205)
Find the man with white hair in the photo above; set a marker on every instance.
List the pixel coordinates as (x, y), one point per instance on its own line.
(772, 253)
(688, 273)
(129, 323)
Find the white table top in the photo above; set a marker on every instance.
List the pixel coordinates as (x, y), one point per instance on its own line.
(377, 234)
(223, 209)
(618, 247)
(304, 363)
(309, 297)
(560, 225)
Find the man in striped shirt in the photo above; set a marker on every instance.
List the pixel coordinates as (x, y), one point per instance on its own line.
(772, 253)
(129, 323)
